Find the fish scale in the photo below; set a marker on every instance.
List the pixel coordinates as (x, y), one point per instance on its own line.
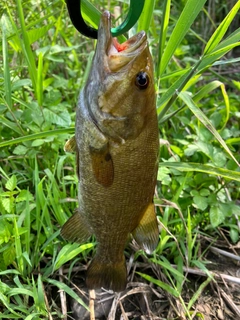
(116, 142)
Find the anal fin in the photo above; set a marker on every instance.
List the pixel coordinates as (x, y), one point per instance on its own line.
(76, 229)
(146, 234)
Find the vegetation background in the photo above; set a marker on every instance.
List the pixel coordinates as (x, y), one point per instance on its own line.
(44, 63)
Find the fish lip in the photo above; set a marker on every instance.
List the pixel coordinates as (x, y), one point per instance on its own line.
(108, 46)
(133, 44)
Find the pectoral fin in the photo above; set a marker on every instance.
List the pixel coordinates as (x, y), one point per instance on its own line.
(146, 234)
(70, 145)
(76, 229)
(102, 165)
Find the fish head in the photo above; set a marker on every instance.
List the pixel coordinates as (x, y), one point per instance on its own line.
(121, 84)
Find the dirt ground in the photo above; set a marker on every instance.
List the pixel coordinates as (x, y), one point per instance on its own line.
(218, 299)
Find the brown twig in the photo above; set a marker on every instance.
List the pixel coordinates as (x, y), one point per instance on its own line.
(63, 298)
(92, 297)
(225, 253)
(230, 303)
(47, 304)
(218, 276)
(113, 310)
(125, 317)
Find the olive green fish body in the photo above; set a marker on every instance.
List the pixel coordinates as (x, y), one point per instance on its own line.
(117, 151)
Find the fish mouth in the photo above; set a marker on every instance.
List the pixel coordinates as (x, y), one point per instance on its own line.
(118, 55)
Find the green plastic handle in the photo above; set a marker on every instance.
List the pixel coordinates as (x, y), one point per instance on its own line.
(135, 10)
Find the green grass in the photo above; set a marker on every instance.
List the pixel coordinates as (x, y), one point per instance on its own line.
(44, 63)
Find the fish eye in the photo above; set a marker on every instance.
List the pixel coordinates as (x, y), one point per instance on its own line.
(142, 80)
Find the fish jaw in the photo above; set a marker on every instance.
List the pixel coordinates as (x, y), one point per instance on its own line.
(111, 92)
(112, 55)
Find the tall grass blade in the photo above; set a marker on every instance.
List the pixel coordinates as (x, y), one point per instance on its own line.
(7, 80)
(188, 15)
(198, 293)
(173, 91)
(160, 284)
(221, 30)
(90, 13)
(144, 20)
(26, 48)
(40, 80)
(70, 251)
(163, 32)
(68, 290)
(38, 135)
(210, 87)
(192, 167)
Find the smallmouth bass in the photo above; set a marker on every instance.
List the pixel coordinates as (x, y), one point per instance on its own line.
(116, 142)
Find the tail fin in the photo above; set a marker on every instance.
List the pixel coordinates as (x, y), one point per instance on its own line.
(111, 275)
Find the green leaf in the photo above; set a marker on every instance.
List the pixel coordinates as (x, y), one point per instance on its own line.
(205, 121)
(216, 216)
(219, 158)
(204, 192)
(163, 173)
(234, 235)
(63, 119)
(38, 142)
(37, 33)
(18, 84)
(200, 202)
(20, 150)
(13, 126)
(9, 255)
(11, 183)
(5, 233)
(24, 195)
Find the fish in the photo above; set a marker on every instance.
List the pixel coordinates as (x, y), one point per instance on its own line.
(117, 148)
